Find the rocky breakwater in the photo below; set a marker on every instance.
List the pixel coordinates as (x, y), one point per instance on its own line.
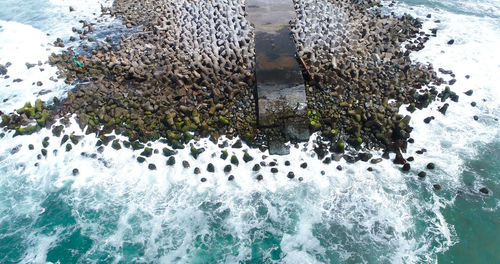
(360, 73)
(190, 69)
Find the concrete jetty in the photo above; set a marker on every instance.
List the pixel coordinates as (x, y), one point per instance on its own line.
(281, 97)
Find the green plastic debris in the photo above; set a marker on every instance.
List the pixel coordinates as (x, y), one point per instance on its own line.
(77, 62)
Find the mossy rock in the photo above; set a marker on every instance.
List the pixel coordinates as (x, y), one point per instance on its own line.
(38, 105)
(136, 145)
(339, 147)
(44, 152)
(247, 158)
(116, 144)
(171, 161)
(45, 142)
(68, 147)
(224, 155)
(26, 130)
(168, 152)
(195, 152)
(234, 160)
(147, 152)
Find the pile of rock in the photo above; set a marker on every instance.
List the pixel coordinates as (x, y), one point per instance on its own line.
(190, 69)
(359, 73)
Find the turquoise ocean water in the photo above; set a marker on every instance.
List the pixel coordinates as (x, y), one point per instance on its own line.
(116, 210)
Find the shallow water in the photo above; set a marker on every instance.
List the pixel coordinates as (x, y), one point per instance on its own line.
(116, 210)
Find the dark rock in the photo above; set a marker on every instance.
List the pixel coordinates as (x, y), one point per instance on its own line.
(75, 172)
(168, 152)
(230, 178)
(260, 177)
(484, 190)
(210, 167)
(451, 41)
(203, 179)
(431, 166)
(185, 164)
(411, 140)
(227, 168)
(71, 9)
(273, 164)
(422, 174)
(427, 120)
(116, 144)
(197, 170)
(147, 152)
(45, 142)
(327, 160)
(224, 155)
(301, 179)
(171, 161)
(399, 159)
(140, 159)
(469, 92)
(64, 139)
(56, 130)
(44, 152)
(274, 170)
(303, 165)
(287, 163)
(256, 167)
(31, 147)
(473, 104)
(376, 160)
(237, 144)
(350, 159)
(444, 108)
(437, 187)
(151, 166)
(247, 157)
(290, 175)
(369, 169)
(322, 172)
(3, 70)
(406, 167)
(339, 167)
(68, 147)
(365, 156)
(476, 118)
(195, 152)
(234, 160)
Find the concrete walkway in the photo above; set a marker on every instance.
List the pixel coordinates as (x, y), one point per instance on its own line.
(281, 97)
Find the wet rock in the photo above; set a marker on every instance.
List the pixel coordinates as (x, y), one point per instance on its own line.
(437, 187)
(68, 147)
(422, 174)
(116, 145)
(450, 42)
(431, 166)
(484, 190)
(64, 139)
(230, 178)
(45, 142)
(171, 161)
(287, 163)
(427, 120)
(376, 160)
(247, 157)
(365, 156)
(322, 172)
(141, 159)
(234, 160)
(168, 152)
(469, 92)
(75, 172)
(349, 159)
(406, 167)
(301, 179)
(444, 108)
(3, 70)
(473, 104)
(185, 164)
(274, 170)
(210, 167)
(476, 118)
(197, 170)
(339, 168)
(290, 175)
(31, 147)
(369, 169)
(203, 179)
(227, 168)
(151, 166)
(303, 165)
(256, 167)
(56, 130)
(195, 152)
(100, 149)
(71, 9)
(327, 160)
(44, 152)
(147, 152)
(224, 155)
(410, 159)
(237, 144)
(260, 177)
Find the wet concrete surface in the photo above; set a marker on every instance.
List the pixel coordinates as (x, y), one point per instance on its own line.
(281, 96)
